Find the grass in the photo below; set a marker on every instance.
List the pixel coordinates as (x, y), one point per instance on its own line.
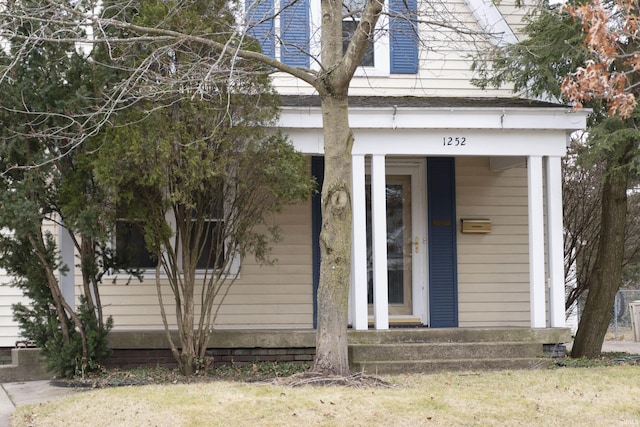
(593, 396)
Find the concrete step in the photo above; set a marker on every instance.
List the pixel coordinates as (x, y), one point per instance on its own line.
(5, 356)
(462, 335)
(25, 366)
(433, 351)
(440, 365)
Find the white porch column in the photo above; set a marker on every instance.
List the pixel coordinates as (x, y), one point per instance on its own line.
(536, 242)
(379, 242)
(555, 246)
(359, 246)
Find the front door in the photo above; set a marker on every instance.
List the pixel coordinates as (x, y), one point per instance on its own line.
(406, 241)
(399, 245)
(407, 248)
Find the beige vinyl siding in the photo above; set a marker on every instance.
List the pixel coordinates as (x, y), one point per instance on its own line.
(444, 62)
(9, 295)
(493, 269)
(264, 296)
(514, 13)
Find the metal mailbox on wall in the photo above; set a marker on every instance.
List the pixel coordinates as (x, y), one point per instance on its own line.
(477, 226)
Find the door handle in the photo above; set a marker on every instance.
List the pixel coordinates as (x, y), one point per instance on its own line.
(417, 243)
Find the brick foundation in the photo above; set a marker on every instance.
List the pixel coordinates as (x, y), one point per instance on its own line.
(129, 358)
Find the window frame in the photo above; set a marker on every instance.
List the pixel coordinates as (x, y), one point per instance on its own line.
(149, 272)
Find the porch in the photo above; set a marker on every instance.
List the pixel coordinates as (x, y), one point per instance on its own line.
(422, 166)
(397, 350)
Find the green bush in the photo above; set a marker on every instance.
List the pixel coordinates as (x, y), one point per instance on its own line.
(41, 324)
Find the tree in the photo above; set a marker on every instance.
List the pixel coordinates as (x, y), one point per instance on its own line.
(610, 30)
(599, 35)
(207, 160)
(52, 77)
(582, 196)
(330, 76)
(221, 176)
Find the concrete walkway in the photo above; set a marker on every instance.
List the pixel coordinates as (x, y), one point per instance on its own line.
(15, 394)
(630, 347)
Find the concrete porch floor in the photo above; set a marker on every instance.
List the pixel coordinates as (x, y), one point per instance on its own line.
(301, 338)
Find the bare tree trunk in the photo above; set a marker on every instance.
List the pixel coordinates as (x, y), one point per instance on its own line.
(87, 257)
(185, 306)
(90, 282)
(608, 265)
(189, 352)
(62, 307)
(163, 315)
(52, 283)
(335, 240)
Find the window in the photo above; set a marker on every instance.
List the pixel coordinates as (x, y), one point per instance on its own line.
(352, 11)
(211, 242)
(284, 35)
(131, 247)
(208, 242)
(348, 28)
(288, 30)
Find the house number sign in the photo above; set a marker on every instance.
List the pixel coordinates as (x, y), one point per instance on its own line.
(454, 141)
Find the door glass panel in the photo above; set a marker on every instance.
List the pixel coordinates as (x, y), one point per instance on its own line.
(398, 201)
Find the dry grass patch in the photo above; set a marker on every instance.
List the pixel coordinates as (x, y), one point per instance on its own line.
(560, 397)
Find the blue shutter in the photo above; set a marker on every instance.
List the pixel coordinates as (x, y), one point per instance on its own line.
(403, 36)
(443, 259)
(294, 32)
(317, 170)
(260, 21)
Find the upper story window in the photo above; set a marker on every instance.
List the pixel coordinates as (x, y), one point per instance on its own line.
(289, 30)
(348, 28)
(352, 12)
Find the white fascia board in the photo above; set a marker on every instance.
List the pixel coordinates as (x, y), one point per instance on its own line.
(443, 118)
(433, 142)
(492, 22)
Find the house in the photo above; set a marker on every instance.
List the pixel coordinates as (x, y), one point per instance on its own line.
(9, 331)
(456, 203)
(9, 295)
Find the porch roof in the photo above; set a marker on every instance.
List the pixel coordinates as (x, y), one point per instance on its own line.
(437, 113)
(424, 102)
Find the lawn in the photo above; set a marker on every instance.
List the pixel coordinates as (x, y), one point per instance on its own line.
(593, 396)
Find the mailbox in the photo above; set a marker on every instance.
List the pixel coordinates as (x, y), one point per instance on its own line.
(476, 225)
